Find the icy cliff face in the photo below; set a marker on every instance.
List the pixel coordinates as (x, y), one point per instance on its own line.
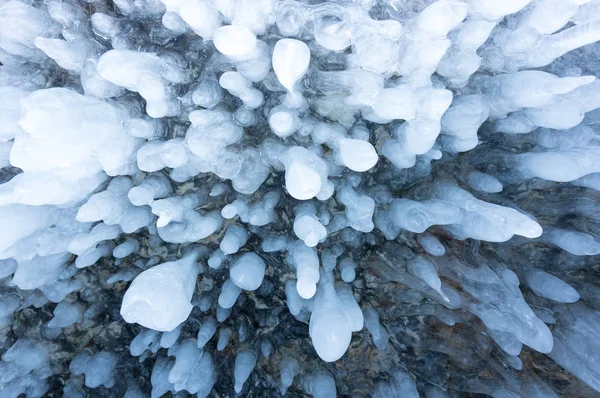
(368, 197)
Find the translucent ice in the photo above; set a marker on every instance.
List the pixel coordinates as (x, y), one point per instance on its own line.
(159, 298)
(245, 361)
(247, 271)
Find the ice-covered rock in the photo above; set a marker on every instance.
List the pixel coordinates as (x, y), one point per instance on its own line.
(159, 298)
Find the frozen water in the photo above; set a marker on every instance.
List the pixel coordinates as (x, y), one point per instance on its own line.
(277, 170)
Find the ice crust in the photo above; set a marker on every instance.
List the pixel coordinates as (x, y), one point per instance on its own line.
(217, 157)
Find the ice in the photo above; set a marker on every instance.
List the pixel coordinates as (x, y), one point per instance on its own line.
(266, 348)
(431, 244)
(142, 341)
(235, 238)
(293, 299)
(201, 16)
(331, 323)
(70, 55)
(155, 186)
(305, 173)
(400, 384)
(99, 368)
(126, 248)
(224, 338)
(223, 313)
(193, 370)
(247, 271)
(160, 375)
(159, 298)
(113, 207)
(288, 369)
(66, 314)
(576, 342)
(424, 269)
(240, 45)
(38, 271)
(578, 243)
(357, 155)
(378, 332)
(442, 155)
(10, 111)
(547, 285)
(206, 331)
(46, 110)
(307, 226)
(291, 59)
(237, 85)
(148, 74)
(235, 41)
(21, 24)
(229, 294)
(347, 269)
(507, 341)
(217, 259)
(283, 121)
(179, 223)
(359, 209)
(482, 182)
(306, 262)
(207, 93)
(320, 384)
(25, 367)
(245, 361)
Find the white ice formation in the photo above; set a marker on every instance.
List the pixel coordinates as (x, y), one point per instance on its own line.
(179, 169)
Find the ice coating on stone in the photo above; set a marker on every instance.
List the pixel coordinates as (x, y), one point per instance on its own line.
(146, 73)
(290, 62)
(306, 262)
(155, 186)
(66, 314)
(247, 271)
(293, 299)
(431, 244)
(547, 285)
(224, 338)
(229, 294)
(305, 173)
(574, 242)
(574, 350)
(193, 370)
(99, 368)
(126, 248)
(239, 86)
(331, 324)
(159, 298)
(357, 155)
(141, 342)
(201, 16)
(235, 237)
(245, 361)
(266, 348)
(288, 369)
(284, 121)
(507, 341)
(235, 41)
(347, 269)
(378, 332)
(131, 132)
(320, 384)
(307, 226)
(207, 331)
(422, 268)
